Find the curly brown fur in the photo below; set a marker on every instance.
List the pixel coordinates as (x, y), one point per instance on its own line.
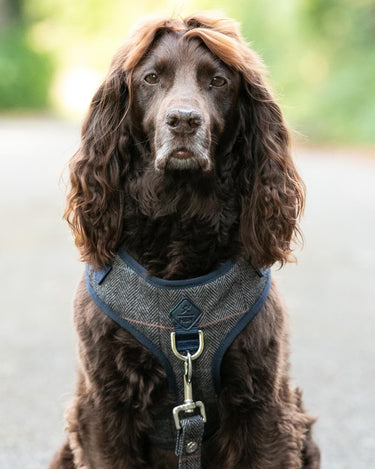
(183, 195)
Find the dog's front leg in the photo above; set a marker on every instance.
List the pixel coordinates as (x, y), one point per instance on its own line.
(102, 433)
(263, 436)
(263, 423)
(105, 435)
(119, 385)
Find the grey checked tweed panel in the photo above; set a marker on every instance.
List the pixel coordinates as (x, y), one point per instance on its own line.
(225, 297)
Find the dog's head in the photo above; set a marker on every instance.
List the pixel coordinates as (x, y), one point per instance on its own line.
(185, 100)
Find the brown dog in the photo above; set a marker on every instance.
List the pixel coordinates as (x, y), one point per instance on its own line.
(185, 165)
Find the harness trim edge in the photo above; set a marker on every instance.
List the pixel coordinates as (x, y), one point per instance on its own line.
(174, 284)
(231, 336)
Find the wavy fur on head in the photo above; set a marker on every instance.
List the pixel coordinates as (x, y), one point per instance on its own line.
(272, 193)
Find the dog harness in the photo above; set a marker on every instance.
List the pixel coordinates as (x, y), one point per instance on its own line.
(188, 325)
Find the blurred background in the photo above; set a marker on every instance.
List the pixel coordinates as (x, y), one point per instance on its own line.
(321, 60)
(321, 53)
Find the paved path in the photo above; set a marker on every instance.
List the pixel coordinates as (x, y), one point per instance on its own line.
(329, 295)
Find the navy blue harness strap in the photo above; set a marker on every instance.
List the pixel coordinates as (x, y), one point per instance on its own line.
(174, 284)
(187, 341)
(242, 323)
(101, 274)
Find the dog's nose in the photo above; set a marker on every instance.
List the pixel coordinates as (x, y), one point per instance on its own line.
(183, 120)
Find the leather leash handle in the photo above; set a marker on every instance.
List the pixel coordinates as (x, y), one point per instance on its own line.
(189, 442)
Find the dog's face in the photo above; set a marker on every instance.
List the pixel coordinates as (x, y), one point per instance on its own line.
(184, 99)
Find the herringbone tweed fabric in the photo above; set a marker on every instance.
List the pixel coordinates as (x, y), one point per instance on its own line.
(228, 298)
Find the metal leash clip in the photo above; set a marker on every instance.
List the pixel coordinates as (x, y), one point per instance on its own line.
(189, 405)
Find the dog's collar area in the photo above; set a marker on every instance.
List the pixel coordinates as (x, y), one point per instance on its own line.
(138, 268)
(162, 283)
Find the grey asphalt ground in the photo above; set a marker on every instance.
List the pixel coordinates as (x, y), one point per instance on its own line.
(329, 293)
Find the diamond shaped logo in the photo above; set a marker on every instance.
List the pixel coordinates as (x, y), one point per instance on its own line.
(186, 314)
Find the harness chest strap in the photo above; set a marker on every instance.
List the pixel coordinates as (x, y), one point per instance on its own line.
(219, 304)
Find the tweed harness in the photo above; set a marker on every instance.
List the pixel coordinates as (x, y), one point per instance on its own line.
(188, 325)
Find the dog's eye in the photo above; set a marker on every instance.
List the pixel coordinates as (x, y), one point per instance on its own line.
(218, 82)
(152, 78)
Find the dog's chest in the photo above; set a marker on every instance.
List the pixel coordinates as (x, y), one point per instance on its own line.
(219, 304)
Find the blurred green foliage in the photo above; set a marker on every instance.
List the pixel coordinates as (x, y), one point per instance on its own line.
(25, 71)
(25, 74)
(320, 53)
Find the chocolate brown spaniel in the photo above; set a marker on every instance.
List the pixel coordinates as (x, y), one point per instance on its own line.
(184, 166)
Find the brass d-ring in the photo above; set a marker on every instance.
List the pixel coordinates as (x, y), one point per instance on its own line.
(179, 355)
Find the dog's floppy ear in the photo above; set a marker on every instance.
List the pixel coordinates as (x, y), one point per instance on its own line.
(94, 208)
(272, 193)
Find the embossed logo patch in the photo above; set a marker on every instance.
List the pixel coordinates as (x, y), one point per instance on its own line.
(186, 314)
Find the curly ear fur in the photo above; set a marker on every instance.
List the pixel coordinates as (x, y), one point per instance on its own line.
(95, 201)
(272, 192)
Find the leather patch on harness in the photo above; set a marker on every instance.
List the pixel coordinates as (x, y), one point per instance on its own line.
(186, 314)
